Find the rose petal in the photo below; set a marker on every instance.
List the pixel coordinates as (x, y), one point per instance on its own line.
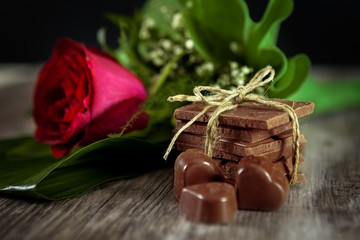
(59, 150)
(114, 119)
(111, 83)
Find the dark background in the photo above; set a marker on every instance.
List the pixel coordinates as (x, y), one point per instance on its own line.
(326, 30)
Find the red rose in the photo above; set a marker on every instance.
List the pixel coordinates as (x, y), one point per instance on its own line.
(82, 95)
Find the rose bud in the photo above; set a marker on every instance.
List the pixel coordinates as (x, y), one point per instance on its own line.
(82, 94)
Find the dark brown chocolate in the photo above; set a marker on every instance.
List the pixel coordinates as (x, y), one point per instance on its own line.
(251, 135)
(211, 202)
(193, 167)
(259, 185)
(287, 163)
(272, 155)
(248, 114)
(230, 168)
(236, 147)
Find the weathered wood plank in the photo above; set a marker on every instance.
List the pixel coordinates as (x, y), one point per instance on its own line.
(16, 87)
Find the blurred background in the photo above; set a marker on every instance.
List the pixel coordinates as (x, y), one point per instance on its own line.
(326, 30)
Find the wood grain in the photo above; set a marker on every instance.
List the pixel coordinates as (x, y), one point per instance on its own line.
(327, 206)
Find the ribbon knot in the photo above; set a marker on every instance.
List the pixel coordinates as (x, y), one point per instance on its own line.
(222, 100)
(241, 90)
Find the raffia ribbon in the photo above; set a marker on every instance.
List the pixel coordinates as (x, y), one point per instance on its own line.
(224, 100)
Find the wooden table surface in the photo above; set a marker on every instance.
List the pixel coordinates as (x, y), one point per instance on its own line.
(327, 206)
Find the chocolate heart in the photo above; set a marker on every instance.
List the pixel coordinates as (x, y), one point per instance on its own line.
(193, 167)
(260, 185)
(210, 202)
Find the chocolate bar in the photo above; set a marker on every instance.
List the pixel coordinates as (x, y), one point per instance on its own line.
(237, 147)
(244, 134)
(288, 163)
(272, 155)
(248, 114)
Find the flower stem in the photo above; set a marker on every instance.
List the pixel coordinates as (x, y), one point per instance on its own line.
(165, 71)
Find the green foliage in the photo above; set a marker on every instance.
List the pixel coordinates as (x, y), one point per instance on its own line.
(162, 11)
(330, 95)
(214, 27)
(38, 174)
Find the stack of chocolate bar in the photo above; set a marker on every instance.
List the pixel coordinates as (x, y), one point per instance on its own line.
(251, 129)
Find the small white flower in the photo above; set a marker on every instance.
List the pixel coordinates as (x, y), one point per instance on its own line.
(246, 70)
(235, 72)
(224, 80)
(177, 49)
(233, 65)
(166, 44)
(209, 66)
(189, 4)
(149, 22)
(189, 44)
(177, 21)
(235, 47)
(144, 34)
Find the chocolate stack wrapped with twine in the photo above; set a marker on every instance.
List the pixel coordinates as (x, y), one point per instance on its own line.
(231, 125)
(240, 151)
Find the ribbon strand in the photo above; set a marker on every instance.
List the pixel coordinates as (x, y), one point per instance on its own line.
(224, 100)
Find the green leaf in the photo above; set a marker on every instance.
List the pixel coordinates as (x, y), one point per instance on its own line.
(42, 176)
(207, 42)
(261, 49)
(276, 12)
(296, 73)
(274, 56)
(214, 26)
(230, 19)
(28, 147)
(329, 95)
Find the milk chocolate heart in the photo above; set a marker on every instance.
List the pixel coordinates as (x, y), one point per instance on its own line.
(210, 202)
(260, 185)
(193, 167)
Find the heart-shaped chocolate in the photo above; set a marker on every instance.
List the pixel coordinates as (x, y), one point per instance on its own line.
(193, 167)
(210, 202)
(260, 185)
